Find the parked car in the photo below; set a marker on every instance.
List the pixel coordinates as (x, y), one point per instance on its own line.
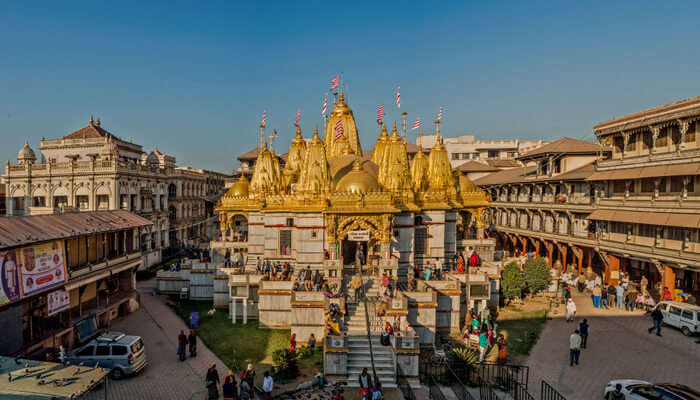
(642, 390)
(122, 354)
(683, 316)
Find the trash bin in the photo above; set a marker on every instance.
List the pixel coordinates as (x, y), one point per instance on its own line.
(194, 320)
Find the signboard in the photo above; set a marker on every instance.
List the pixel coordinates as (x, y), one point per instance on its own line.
(9, 277)
(43, 266)
(57, 301)
(358, 236)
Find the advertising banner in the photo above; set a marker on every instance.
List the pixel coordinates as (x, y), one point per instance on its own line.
(57, 301)
(9, 277)
(43, 266)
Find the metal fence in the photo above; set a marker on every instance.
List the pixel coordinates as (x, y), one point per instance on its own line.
(405, 388)
(547, 392)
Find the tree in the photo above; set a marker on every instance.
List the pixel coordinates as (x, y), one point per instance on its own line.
(537, 276)
(512, 281)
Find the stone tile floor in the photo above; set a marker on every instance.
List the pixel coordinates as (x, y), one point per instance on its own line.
(619, 347)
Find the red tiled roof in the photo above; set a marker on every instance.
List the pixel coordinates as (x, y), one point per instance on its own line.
(475, 166)
(89, 131)
(503, 163)
(564, 146)
(17, 231)
(510, 175)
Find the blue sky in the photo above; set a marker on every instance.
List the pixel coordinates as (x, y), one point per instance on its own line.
(193, 78)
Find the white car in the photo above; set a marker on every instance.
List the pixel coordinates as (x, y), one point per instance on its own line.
(683, 316)
(634, 389)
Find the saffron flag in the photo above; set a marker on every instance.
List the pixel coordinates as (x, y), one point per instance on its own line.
(416, 124)
(398, 97)
(296, 122)
(334, 83)
(439, 117)
(338, 129)
(380, 114)
(264, 119)
(325, 104)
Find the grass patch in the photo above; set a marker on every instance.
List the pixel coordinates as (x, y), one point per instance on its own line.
(239, 345)
(521, 330)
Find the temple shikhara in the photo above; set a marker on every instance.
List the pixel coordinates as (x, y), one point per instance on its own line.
(407, 211)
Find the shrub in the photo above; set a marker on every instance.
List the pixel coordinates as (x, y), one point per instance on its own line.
(512, 281)
(537, 276)
(285, 363)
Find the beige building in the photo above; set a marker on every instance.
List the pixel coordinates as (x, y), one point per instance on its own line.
(464, 148)
(92, 169)
(631, 205)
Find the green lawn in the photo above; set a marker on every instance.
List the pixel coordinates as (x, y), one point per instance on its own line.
(238, 345)
(521, 330)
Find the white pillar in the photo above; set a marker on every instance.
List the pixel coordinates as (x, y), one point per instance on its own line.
(233, 311)
(245, 311)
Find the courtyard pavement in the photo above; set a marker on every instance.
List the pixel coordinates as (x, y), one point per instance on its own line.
(165, 377)
(619, 347)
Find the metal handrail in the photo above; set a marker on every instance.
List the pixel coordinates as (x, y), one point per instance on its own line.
(369, 336)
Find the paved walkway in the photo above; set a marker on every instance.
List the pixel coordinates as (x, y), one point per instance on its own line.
(165, 377)
(619, 347)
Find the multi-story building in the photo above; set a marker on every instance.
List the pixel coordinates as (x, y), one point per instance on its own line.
(464, 148)
(66, 275)
(3, 210)
(631, 204)
(93, 169)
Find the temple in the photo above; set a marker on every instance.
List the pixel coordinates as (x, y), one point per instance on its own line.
(330, 207)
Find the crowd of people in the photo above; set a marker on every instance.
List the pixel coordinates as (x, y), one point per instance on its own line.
(479, 331)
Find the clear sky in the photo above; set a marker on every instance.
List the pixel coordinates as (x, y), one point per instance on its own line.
(193, 78)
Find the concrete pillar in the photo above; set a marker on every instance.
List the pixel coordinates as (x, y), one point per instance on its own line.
(562, 257)
(550, 250)
(245, 311)
(612, 270)
(589, 267)
(233, 311)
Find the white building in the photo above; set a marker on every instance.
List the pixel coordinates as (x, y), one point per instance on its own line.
(464, 148)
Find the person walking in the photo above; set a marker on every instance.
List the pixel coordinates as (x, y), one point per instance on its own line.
(182, 345)
(483, 343)
(229, 389)
(658, 317)
(570, 310)
(356, 285)
(249, 377)
(617, 393)
(596, 296)
(619, 296)
(268, 386)
(192, 340)
(581, 283)
(584, 329)
(245, 390)
(604, 298)
(212, 382)
(311, 343)
(365, 383)
(611, 296)
(574, 348)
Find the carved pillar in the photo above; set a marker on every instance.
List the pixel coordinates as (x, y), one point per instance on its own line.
(683, 127)
(654, 135)
(625, 141)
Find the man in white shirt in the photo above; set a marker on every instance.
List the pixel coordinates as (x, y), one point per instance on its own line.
(268, 385)
(574, 347)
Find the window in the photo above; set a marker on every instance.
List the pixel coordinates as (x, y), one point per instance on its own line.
(465, 156)
(663, 187)
(421, 240)
(86, 352)
(39, 201)
(662, 140)
(455, 156)
(674, 310)
(18, 203)
(290, 222)
(102, 201)
(648, 185)
(647, 230)
(137, 346)
(124, 201)
(102, 350)
(618, 186)
(618, 227)
(60, 201)
(83, 202)
(493, 154)
(674, 233)
(632, 142)
(685, 314)
(285, 242)
(690, 135)
(119, 350)
(511, 154)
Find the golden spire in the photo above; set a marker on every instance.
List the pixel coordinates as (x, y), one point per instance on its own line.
(341, 112)
(380, 147)
(267, 175)
(439, 169)
(419, 171)
(295, 159)
(314, 178)
(394, 172)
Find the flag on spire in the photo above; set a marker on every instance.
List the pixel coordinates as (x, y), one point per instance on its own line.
(440, 114)
(296, 122)
(264, 119)
(398, 97)
(416, 124)
(339, 129)
(325, 104)
(274, 132)
(380, 114)
(334, 83)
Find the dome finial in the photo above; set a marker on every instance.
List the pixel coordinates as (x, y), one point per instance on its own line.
(298, 131)
(316, 131)
(92, 120)
(342, 96)
(437, 131)
(98, 122)
(393, 130)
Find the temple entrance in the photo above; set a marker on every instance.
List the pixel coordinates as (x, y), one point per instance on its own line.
(351, 250)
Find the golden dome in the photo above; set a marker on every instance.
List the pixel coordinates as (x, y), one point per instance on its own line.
(394, 172)
(239, 189)
(439, 168)
(341, 112)
(358, 180)
(267, 175)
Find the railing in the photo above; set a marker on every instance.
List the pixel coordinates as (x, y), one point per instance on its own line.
(434, 390)
(547, 392)
(486, 392)
(501, 375)
(405, 388)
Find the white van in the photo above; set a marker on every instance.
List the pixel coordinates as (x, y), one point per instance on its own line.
(685, 317)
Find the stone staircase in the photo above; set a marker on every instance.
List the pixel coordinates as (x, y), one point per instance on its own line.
(358, 343)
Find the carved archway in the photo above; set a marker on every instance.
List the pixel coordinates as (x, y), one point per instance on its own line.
(351, 223)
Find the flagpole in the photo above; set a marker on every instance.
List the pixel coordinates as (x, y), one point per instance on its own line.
(262, 135)
(325, 119)
(403, 124)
